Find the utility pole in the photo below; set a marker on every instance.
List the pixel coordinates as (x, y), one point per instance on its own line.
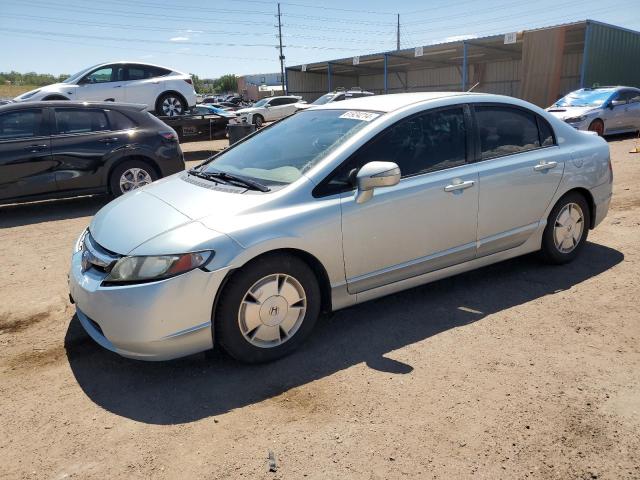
(281, 55)
(398, 35)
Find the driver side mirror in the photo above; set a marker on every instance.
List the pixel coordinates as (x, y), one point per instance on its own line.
(375, 175)
(616, 103)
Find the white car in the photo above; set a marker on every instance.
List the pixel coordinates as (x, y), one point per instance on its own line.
(269, 109)
(163, 90)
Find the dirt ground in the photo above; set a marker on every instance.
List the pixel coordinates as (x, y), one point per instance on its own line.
(518, 370)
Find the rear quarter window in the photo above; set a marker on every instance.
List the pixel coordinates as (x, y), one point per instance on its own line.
(119, 121)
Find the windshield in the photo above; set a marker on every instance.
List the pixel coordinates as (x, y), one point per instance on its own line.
(585, 98)
(324, 99)
(77, 76)
(282, 153)
(260, 103)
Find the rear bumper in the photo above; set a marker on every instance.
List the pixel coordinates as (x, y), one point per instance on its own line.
(601, 198)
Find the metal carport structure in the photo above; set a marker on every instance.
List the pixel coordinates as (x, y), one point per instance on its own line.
(538, 65)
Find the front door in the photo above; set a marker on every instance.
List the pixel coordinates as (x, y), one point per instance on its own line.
(520, 169)
(426, 222)
(26, 166)
(103, 84)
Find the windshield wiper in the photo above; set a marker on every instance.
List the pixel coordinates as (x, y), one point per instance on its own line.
(232, 179)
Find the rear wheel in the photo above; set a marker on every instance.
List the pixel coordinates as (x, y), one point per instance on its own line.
(567, 229)
(130, 175)
(170, 105)
(597, 126)
(267, 309)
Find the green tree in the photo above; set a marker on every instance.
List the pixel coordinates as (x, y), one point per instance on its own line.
(226, 83)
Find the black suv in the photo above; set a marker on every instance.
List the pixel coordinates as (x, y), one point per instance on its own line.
(59, 148)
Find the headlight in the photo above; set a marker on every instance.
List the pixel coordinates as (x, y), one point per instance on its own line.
(80, 241)
(147, 269)
(30, 94)
(575, 119)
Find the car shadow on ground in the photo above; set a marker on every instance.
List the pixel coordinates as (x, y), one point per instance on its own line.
(21, 214)
(200, 386)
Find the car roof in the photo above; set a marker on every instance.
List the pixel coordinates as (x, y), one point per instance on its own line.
(391, 102)
(67, 103)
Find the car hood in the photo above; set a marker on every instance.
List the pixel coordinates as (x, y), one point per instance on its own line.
(168, 204)
(568, 112)
(53, 88)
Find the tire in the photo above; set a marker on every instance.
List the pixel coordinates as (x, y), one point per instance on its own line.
(258, 120)
(564, 237)
(597, 126)
(170, 105)
(254, 326)
(137, 172)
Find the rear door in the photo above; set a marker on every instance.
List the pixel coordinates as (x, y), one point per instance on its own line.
(520, 168)
(630, 115)
(26, 165)
(144, 83)
(82, 140)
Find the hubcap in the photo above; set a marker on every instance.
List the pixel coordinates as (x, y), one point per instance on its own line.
(568, 228)
(134, 178)
(171, 106)
(272, 310)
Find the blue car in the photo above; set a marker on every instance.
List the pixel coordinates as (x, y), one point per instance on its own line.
(604, 110)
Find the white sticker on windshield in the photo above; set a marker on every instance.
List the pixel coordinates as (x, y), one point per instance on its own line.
(358, 115)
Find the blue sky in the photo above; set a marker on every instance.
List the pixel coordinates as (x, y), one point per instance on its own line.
(211, 38)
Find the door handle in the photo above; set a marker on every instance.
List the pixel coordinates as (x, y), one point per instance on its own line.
(543, 167)
(454, 187)
(109, 140)
(36, 148)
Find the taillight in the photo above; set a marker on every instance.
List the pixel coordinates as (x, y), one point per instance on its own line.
(189, 81)
(169, 136)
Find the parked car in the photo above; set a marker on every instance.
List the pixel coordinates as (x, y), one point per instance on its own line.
(336, 205)
(163, 90)
(202, 122)
(232, 107)
(59, 149)
(336, 96)
(604, 110)
(269, 109)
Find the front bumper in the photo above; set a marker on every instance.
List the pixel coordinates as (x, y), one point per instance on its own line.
(150, 321)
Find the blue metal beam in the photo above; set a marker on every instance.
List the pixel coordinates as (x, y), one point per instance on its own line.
(464, 65)
(385, 74)
(585, 54)
(329, 76)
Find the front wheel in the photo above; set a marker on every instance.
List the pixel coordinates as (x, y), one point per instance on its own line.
(267, 309)
(129, 175)
(597, 126)
(566, 230)
(258, 121)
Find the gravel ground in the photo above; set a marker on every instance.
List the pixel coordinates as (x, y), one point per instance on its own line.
(518, 370)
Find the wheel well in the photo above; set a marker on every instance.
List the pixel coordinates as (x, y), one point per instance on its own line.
(140, 158)
(590, 202)
(313, 263)
(173, 92)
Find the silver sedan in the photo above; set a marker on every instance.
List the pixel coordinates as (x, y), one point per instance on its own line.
(336, 205)
(605, 110)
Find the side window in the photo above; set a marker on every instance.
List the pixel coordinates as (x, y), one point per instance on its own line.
(339, 98)
(506, 130)
(290, 101)
(546, 133)
(138, 73)
(276, 102)
(628, 96)
(21, 124)
(102, 75)
(424, 143)
(120, 121)
(80, 120)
